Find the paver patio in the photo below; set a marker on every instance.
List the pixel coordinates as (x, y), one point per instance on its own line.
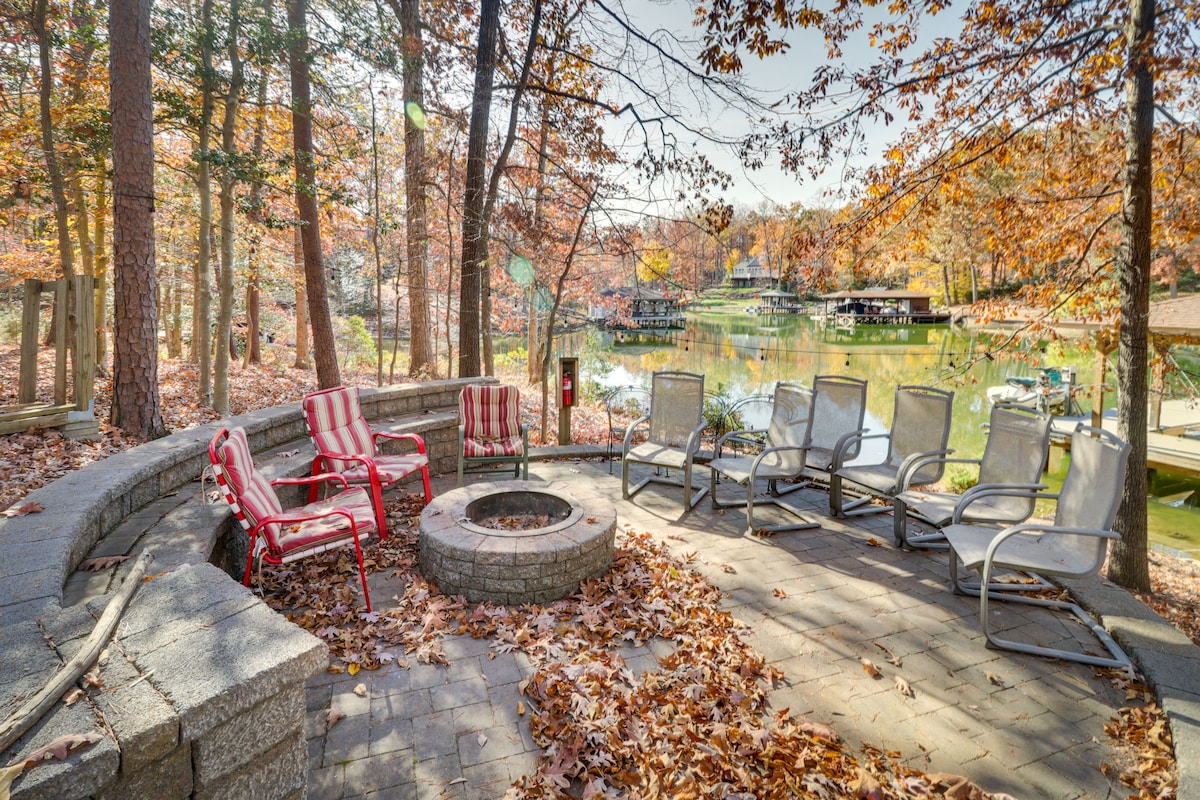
(817, 602)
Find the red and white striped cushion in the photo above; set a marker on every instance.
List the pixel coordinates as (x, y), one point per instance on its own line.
(336, 425)
(248, 492)
(318, 535)
(491, 423)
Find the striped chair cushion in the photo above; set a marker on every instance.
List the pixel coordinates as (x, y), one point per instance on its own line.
(389, 468)
(336, 425)
(307, 538)
(251, 495)
(491, 423)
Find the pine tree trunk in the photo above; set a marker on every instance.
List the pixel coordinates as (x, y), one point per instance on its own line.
(135, 403)
(421, 358)
(306, 198)
(1129, 565)
(474, 244)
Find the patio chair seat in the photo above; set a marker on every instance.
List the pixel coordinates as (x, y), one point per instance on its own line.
(660, 454)
(311, 536)
(389, 468)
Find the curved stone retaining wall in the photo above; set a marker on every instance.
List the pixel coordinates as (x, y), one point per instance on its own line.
(198, 661)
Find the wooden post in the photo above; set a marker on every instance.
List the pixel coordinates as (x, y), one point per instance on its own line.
(62, 341)
(1158, 385)
(30, 308)
(1105, 344)
(85, 341)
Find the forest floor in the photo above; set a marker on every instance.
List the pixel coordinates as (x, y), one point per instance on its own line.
(38, 456)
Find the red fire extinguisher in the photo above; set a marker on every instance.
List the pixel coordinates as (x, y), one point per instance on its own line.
(568, 397)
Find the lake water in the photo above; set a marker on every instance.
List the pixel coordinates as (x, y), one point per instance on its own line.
(741, 354)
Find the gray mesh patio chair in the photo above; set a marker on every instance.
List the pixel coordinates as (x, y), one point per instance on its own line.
(672, 432)
(782, 457)
(1015, 454)
(920, 430)
(839, 408)
(1074, 545)
(621, 403)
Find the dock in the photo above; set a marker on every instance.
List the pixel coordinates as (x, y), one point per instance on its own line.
(1174, 446)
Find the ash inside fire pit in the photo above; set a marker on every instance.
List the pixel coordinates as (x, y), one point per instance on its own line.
(523, 511)
(511, 542)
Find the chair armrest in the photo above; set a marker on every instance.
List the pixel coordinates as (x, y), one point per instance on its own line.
(721, 442)
(322, 460)
(694, 438)
(633, 426)
(909, 466)
(1009, 490)
(902, 483)
(783, 448)
(411, 437)
(311, 479)
(848, 440)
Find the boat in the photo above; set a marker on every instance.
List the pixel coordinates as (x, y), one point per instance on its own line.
(1049, 390)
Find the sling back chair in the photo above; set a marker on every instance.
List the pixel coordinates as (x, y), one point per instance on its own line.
(782, 457)
(490, 430)
(839, 408)
(920, 430)
(672, 433)
(347, 445)
(279, 536)
(1014, 457)
(1074, 545)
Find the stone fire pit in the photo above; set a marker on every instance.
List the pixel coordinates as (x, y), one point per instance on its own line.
(514, 567)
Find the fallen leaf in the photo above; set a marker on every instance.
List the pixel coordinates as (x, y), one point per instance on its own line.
(904, 687)
(873, 542)
(353, 669)
(866, 786)
(871, 669)
(60, 748)
(332, 716)
(22, 510)
(93, 679)
(101, 563)
(520, 709)
(779, 593)
(482, 739)
(290, 453)
(993, 678)
(361, 690)
(71, 696)
(729, 569)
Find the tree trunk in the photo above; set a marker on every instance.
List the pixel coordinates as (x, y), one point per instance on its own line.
(1129, 565)
(202, 338)
(421, 358)
(253, 332)
(306, 198)
(474, 244)
(101, 273)
(228, 181)
(301, 361)
(135, 402)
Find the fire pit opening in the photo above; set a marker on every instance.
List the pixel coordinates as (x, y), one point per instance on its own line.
(512, 542)
(524, 512)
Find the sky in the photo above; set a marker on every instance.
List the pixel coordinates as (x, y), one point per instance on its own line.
(770, 78)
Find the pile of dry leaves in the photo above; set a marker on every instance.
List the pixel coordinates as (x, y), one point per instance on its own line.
(698, 726)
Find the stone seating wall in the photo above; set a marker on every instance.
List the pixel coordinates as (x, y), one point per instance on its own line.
(203, 685)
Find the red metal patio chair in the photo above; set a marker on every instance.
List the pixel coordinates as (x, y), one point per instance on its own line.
(281, 536)
(347, 445)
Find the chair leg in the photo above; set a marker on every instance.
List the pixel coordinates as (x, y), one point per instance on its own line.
(425, 484)
(362, 573)
(249, 562)
(380, 514)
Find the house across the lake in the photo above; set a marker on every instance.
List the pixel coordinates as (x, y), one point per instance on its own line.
(748, 273)
(637, 308)
(878, 306)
